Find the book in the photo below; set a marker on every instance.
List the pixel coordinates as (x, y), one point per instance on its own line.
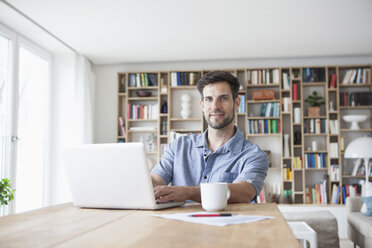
(294, 93)
(333, 81)
(122, 126)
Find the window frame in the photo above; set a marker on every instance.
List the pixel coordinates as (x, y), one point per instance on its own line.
(9, 171)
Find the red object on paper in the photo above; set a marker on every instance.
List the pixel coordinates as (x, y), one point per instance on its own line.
(294, 93)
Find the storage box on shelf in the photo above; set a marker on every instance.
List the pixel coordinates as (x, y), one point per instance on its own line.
(273, 114)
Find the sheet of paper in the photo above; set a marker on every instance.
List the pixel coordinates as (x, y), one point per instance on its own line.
(214, 221)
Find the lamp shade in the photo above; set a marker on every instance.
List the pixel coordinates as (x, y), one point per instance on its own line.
(359, 148)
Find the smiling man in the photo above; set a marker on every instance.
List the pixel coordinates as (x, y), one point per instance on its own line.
(220, 154)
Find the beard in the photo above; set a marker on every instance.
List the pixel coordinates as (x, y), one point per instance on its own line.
(219, 125)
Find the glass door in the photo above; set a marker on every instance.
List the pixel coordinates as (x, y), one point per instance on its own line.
(32, 129)
(5, 108)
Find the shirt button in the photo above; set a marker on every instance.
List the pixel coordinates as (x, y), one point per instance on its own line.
(205, 177)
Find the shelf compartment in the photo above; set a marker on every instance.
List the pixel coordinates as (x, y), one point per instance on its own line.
(188, 119)
(142, 131)
(262, 85)
(142, 120)
(262, 118)
(263, 134)
(186, 130)
(314, 84)
(356, 107)
(315, 117)
(142, 98)
(261, 101)
(144, 88)
(355, 85)
(359, 130)
(184, 87)
(349, 176)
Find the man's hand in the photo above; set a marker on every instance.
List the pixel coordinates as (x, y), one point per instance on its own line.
(177, 193)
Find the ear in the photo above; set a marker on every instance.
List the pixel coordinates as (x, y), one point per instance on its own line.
(237, 103)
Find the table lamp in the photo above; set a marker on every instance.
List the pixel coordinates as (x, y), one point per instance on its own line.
(361, 148)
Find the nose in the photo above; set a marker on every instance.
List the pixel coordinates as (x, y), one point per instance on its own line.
(215, 104)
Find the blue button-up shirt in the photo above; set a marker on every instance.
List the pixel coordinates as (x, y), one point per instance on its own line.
(188, 161)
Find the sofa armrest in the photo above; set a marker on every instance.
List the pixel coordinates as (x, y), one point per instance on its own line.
(353, 204)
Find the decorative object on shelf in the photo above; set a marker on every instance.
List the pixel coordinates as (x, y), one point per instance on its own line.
(354, 119)
(185, 106)
(151, 143)
(314, 146)
(331, 106)
(297, 138)
(164, 107)
(361, 148)
(315, 101)
(286, 145)
(297, 115)
(263, 94)
(143, 93)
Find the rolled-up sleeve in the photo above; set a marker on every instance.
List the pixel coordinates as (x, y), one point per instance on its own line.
(255, 170)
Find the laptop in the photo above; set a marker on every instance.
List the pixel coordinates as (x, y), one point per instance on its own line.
(113, 176)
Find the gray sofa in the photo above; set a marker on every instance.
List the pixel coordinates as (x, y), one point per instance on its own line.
(322, 222)
(359, 226)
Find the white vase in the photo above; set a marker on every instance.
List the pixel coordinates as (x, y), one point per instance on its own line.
(185, 106)
(286, 145)
(297, 115)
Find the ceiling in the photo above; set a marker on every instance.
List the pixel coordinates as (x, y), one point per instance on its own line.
(129, 31)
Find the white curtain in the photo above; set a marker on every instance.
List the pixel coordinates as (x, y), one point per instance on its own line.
(84, 101)
(73, 91)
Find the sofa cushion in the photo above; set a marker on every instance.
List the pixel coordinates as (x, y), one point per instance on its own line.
(361, 223)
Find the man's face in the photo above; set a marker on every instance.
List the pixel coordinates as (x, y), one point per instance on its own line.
(218, 105)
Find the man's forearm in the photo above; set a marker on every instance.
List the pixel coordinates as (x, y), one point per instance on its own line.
(241, 192)
(194, 193)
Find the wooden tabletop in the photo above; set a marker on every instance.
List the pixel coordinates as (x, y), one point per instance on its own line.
(69, 226)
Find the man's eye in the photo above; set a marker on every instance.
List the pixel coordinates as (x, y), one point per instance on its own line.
(207, 99)
(224, 98)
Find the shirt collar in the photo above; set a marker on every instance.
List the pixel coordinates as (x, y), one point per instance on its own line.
(234, 144)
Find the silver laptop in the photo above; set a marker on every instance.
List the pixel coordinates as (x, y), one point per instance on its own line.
(111, 176)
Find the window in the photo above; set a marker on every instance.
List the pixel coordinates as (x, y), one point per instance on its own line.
(32, 126)
(24, 117)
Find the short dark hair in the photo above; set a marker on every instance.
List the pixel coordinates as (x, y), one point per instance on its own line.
(219, 76)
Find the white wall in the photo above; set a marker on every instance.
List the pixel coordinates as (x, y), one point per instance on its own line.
(106, 81)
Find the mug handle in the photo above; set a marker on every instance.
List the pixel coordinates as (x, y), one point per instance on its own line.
(228, 193)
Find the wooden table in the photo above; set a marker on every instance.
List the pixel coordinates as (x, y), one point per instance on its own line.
(68, 226)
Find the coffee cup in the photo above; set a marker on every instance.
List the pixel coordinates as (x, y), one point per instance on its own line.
(214, 196)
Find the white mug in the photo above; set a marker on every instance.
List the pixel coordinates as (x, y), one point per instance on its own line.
(214, 196)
